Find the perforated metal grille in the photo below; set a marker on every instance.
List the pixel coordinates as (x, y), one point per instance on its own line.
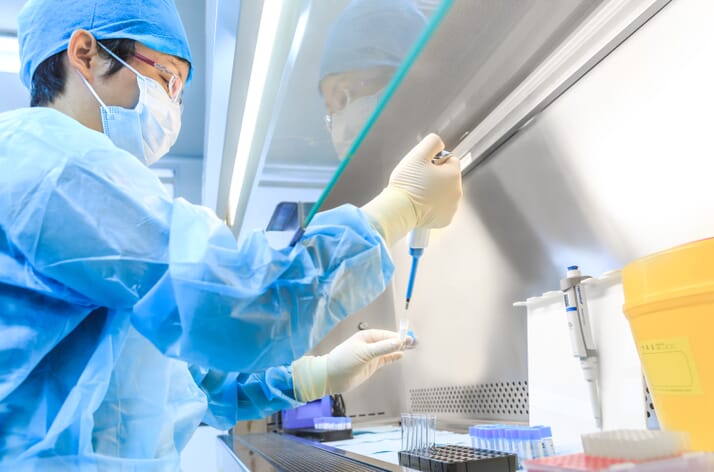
(289, 455)
(652, 420)
(497, 401)
(370, 414)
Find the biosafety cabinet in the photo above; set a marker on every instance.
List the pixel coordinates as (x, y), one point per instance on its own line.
(583, 129)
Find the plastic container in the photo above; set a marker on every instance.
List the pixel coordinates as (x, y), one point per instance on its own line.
(457, 458)
(332, 423)
(669, 302)
(694, 462)
(418, 431)
(636, 445)
(303, 416)
(525, 442)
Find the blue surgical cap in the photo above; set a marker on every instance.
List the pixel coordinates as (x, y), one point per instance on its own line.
(371, 33)
(45, 26)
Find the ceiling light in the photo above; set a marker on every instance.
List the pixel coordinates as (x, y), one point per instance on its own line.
(267, 34)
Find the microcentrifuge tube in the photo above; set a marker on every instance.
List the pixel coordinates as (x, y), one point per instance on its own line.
(403, 330)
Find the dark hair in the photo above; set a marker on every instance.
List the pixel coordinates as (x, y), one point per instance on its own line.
(50, 76)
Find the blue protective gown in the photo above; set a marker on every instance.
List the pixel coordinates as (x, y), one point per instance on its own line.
(126, 317)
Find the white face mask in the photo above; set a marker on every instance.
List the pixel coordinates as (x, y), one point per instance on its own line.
(149, 129)
(347, 123)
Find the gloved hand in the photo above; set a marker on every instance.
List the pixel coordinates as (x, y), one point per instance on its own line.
(420, 194)
(347, 365)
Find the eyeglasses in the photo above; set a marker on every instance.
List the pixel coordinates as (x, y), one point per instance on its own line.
(175, 84)
(338, 102)
(328, 121)
(341, 94)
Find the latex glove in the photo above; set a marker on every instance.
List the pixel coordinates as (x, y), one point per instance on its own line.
(420, 194)
(347, 365)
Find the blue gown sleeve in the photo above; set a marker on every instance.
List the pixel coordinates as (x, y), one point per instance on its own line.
(244, 309)
(233, 396)
(102, 225)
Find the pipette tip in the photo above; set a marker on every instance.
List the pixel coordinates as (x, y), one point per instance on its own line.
(406, 305)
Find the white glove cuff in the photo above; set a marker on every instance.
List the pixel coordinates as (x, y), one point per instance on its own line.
(392, 213)
(310, 378)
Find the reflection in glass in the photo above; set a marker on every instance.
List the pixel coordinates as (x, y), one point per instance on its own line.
(340, 73)
(364, 47)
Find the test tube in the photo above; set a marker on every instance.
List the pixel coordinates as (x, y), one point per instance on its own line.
(512, 435)
(525, 443)
(412, 432)
(403, 330)
(547, 441)
(433, 431)
(415, 432)
(409, 432)
(536, 443)
(493, 437)
(426, 443)
(419, 432)
(499, 435)
(426, 431)
(405, 432)
(489, 438)
(475, 432)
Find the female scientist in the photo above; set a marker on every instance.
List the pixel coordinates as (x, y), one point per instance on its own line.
(126, 317)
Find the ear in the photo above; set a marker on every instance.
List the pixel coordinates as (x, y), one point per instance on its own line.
(82, 53)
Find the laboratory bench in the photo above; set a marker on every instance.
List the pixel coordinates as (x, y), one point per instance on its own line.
(275, 452)
(372, 448)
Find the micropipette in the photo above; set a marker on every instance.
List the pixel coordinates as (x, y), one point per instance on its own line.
(581, 337)
(419, 238)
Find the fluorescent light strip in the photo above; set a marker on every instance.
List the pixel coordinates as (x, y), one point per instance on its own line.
(267, 32)
(9, 54)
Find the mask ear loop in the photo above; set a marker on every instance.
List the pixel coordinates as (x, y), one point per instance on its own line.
(120, 60)
(91, 89)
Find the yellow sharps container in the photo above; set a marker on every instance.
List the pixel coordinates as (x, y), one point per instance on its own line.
(669, 302)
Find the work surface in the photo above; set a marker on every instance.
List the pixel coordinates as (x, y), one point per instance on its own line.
(373, 448)
(384, 442)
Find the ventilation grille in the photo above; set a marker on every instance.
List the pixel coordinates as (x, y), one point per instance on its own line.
(371, 414)
(292, 455)
(492, 401)
(652, 420)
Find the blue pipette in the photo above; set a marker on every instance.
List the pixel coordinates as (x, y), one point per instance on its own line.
(419, 238)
